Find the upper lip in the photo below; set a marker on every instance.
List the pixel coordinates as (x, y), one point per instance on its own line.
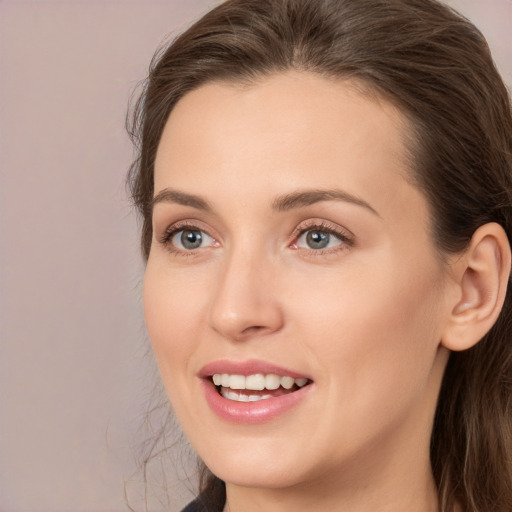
(248, 367)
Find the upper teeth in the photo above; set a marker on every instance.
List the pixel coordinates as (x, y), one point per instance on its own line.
(257, 382)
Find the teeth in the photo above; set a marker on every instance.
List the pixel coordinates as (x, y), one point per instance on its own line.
(301, 382)
(287, 382)
(239, 397)
(256, 382)
(236, 382)
(272, 381)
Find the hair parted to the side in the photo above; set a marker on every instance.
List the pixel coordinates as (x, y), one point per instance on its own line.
(436, 67)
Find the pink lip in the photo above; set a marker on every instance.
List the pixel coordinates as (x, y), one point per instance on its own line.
(249, 412)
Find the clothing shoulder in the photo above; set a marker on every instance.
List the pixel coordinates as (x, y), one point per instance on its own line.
(191, 507)
(195, 506)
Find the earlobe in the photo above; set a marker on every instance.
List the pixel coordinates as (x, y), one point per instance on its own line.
(482, 274)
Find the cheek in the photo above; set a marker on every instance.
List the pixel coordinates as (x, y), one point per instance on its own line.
(171, 310)
(375, 334)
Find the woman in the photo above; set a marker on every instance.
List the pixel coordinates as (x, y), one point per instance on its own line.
(326, 195)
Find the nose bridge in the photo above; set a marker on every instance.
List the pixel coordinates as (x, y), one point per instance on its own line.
(245, 302)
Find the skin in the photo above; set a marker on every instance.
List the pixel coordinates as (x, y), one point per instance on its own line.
(364, 319)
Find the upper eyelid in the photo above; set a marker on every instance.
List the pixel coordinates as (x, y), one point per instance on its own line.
(323, 225)
(191, 224)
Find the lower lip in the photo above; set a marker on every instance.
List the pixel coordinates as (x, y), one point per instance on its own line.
(251, 412)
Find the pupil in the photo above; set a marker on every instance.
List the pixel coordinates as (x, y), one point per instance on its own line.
(317, 239)
(191, 239)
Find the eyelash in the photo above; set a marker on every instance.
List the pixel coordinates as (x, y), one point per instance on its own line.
(344, 236)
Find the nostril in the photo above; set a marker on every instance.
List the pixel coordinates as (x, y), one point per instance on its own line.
(253, 329)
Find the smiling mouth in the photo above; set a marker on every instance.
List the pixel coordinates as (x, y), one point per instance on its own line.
(256, 387)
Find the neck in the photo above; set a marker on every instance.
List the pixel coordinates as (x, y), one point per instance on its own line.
(333, 498)
(393, 491)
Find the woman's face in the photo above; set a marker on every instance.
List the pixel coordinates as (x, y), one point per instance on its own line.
(290, 249)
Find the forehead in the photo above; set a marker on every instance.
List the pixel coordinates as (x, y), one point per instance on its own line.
(289, 130)
(283, 109)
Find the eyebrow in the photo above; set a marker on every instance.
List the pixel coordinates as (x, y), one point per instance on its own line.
(282, 203)
(168, 195)
(308, 197)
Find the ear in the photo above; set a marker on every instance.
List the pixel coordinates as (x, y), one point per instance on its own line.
(481, 276)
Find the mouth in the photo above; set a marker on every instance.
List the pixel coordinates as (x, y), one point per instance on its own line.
(256, 387)
(253, 391)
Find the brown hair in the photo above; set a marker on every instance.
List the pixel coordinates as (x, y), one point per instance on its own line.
(436, 67)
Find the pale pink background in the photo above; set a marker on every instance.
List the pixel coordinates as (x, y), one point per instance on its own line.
(74, 377)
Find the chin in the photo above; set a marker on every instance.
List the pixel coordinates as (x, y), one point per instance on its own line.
(257, 463)
(259, 476)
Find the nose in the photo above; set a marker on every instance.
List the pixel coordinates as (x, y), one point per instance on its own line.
(245, 303)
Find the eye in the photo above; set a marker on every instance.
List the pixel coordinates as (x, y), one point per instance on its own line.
(190, 239)
(321, 237)
(318, 239)
(185, 239)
